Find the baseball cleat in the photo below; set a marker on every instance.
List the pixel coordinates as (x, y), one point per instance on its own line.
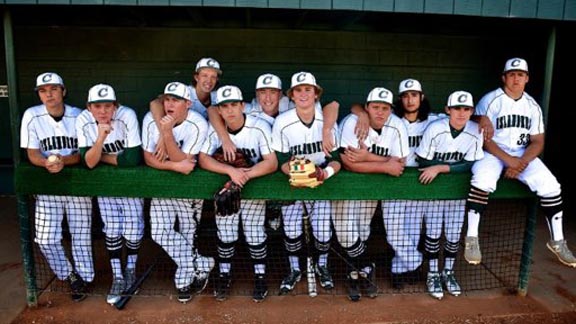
(290, 281)
(449, 281)
(325, 278)
(130, 279)
(260, 288)
(353, 286)
(77, 286)
(434, 285)
(369, 281)
(118, 286)
(184, 294)
(472, 252)
(223, 283)
(562, 252)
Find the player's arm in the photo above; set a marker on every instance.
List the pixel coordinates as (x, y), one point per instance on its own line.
(268, 165)
(219, 126)
(393, 166)
(157, 111)
(94, 154)
(535, 148)
(185, 166)
(330, 115)
(484, 126)
(174, 152)
(363, 123)
(209, 163)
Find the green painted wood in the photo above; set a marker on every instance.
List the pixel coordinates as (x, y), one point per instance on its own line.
(21, 2)
(524, 8)
(496, 8)
(87, 2)
(288, 4)
(185, 2)
(147, 182)
(316, 4)
(439, 6)
(252, 3)
(219, 3)
(54, 2)
(570, 10)
(379, 5)
(123, 2)
(468, 7)
(551, 9)
(347, 5)
(413, 6)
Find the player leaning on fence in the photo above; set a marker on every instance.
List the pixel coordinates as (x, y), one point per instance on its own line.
(252, 136)
(513, 152)
(108, 133)
(48, 134)
(183, 132)
(298, 133)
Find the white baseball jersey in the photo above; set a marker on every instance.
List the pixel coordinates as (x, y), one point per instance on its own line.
(197, 105)
(438, 143)
(125, 133)
(290, 135)
(190, 134)
(415, 131)
(40, 131)
(253, 108)
(254, 139)
(391, 140)
(513, 120)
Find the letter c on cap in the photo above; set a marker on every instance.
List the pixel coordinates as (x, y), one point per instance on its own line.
(301, 77)
(227, 92)
(462, 98)
(103, 92)
(383, 94)
(408, 84)
(515, 63)
(210, 62)
(267, 80)
(47, 77)
(172, 86)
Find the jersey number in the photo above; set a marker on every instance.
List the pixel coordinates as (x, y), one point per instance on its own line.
(523, 140)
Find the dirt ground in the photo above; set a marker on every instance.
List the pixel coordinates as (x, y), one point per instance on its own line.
(478, 307)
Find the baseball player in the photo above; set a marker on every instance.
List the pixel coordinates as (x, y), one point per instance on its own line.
(268, 104)
(449, 145)
(252, 135)
(183, 131)
(383, 151)
(109, 133)
(49, 137)
(202, 94)
(298, 132)
(513, 152)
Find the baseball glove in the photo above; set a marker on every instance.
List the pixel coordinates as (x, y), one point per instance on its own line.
(304, 173)
(241, 161)
(227, 199)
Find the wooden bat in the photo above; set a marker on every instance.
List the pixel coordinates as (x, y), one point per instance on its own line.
(133, 290)
(310, 275)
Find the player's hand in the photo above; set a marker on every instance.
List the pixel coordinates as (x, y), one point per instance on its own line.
(510, 173)
(486, 128)
(517, 163)
(185, 166)
(54, 166)
(428, 174)
(104, 130)
(238, 176)
(167, 123)
(229, 149)
(395, 167)
(362, 127)
(359, 154)
(160, 152)
(327, 141)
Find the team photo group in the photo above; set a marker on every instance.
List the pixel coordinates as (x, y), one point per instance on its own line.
(288, 130)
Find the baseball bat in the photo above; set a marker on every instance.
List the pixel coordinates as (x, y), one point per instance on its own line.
(310, 275)
(132, 290)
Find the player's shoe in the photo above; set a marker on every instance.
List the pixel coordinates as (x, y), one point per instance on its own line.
(129, 279)
(472, 252)
(434, 285)
(118, 286)
(222, 289)
(290, 281)
(369, 281)
(562, 252)
(325, 277)
(449, 281)
(184, 294)
(199, 282)
(260, 288)
(353, 283)
(397, 281)
(77, 286)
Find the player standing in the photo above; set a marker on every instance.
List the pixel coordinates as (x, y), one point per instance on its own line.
(109, 133)
(449, 145)
(49, 130)
(384, 150)
(298, 132)
(183, 132)
(252, 136)
(513, 152)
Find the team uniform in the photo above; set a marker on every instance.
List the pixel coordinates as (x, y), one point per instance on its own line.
(254, 139)
(197, 105)
(122, 216)
(290, 135)
(254, 109)
(441, 144)
(353, 218)
(41, 131)
(180, 245)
